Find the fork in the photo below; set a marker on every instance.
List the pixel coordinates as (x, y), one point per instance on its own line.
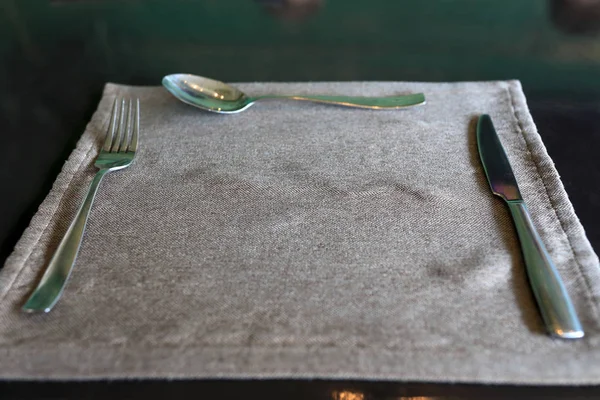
(118, 152)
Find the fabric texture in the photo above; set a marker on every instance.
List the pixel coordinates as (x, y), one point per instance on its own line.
(307, 241)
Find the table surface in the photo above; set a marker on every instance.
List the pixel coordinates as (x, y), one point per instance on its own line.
(57, 56)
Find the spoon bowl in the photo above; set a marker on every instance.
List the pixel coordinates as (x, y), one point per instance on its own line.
(212, 95)
(206, 93)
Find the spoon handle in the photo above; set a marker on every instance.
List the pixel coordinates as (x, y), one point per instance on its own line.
(362, 102)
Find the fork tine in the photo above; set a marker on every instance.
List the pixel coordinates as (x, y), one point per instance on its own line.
(136, 128)
(127, 128)
(120, 128)
(110, 133)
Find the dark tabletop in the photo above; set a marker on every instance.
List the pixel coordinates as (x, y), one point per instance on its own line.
(56, 57)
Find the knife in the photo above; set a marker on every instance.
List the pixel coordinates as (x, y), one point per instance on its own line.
(552, 298)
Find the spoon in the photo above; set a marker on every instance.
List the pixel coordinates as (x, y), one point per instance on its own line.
(219, 97)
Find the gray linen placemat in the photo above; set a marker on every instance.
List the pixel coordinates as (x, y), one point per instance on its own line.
(304, 240)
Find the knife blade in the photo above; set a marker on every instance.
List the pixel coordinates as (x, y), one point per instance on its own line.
(550, 293)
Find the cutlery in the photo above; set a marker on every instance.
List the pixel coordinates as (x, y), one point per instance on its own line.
(209, 94)
(118, 152)
(550, 293)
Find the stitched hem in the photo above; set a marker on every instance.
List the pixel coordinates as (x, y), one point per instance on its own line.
(321, 363)
(583, 276)
(27, 236)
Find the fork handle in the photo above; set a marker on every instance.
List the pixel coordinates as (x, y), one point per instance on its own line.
(54, 280)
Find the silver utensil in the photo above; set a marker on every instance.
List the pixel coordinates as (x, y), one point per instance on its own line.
(118, 152)
(550, 293)
(209, 94)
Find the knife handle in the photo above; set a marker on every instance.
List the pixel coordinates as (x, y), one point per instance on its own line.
(550, 293)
